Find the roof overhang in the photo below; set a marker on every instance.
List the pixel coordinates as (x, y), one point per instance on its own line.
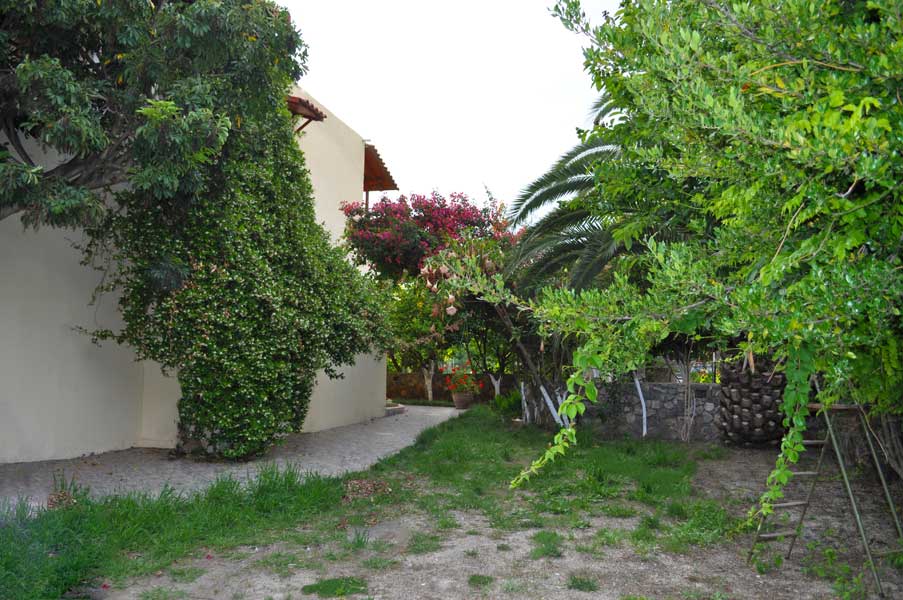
(376, 175)
(305, 109)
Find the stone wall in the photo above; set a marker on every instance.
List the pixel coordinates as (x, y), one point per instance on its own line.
(620, 411)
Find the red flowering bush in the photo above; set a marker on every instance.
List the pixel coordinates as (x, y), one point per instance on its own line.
(394, 237)
(461, 381)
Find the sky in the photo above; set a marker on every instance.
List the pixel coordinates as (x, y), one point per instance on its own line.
(457, 96)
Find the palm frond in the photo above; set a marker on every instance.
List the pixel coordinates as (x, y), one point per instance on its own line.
(568, 177)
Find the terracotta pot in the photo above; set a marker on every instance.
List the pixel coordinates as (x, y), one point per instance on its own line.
(462, 400)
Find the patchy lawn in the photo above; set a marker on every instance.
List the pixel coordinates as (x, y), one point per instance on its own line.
(614, 520)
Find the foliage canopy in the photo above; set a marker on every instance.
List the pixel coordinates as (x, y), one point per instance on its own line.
(177, 152)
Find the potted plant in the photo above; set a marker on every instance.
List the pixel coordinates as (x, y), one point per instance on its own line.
(463, 385)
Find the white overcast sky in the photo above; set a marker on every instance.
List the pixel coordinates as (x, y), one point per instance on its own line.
(455, 95)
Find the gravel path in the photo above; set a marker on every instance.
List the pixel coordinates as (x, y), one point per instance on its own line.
(331, 452)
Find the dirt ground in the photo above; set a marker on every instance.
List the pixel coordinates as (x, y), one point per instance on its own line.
(717, 572)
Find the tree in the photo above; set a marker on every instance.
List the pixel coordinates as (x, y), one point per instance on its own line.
(211, 241)
(418, 336)
(394, 237)
(786, 117)
(78, 79)
(471, 271)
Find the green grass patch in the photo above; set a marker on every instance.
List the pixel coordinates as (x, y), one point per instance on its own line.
(44, 554)
(338, 587)
(279, 563)
(422, 543)
(546, 544)
(447, 522)
(514, 586)
(609, 537)
(184, 574)
(480, 581)
(379, 563)
(617, 511)
(160, 593)
(582, 584)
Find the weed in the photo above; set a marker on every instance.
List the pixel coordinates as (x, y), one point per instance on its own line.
(379, 563)
(503, 547)
(677, 510)
(160, 593)
(184, 574)
(359, 540)
(337, 587)
(582, 584)
(546, 544)
(279, 563)
(447, 522)
(617, 511)
(609, 537)
(513, 586)
(707, 522)
(471, 553)
(480, 581)
(823, 562)
(765, 560)
(422, 543)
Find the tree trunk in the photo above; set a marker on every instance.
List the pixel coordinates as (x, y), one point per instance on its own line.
(496, 384)
(428, 379)
(539, 381)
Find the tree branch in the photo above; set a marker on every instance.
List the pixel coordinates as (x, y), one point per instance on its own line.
(13, 135)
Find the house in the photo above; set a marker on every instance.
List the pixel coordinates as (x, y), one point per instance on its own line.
(63, 396)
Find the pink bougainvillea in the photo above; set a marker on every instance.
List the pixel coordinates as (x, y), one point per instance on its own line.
(394, 237)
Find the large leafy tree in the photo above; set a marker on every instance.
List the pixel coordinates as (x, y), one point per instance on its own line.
(78, 76)
(788, 113)
(168, 137)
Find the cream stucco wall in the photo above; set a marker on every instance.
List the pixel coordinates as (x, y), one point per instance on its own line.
(335, 158)
(63, 396)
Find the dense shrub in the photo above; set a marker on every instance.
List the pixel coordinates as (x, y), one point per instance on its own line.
(243, 295)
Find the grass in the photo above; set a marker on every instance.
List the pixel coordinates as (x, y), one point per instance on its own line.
(480, 581)
(46, 554)
(546, 544)
(338, 587)
(514, 586)
(184, 574)
(462, 466)
(379, 563)
(582, 584)
(160, 593)
(422, 543)
(279, 563)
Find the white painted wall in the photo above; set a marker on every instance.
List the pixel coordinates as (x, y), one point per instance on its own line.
(62, 396)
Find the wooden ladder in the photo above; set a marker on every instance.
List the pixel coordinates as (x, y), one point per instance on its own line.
(830, 439)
